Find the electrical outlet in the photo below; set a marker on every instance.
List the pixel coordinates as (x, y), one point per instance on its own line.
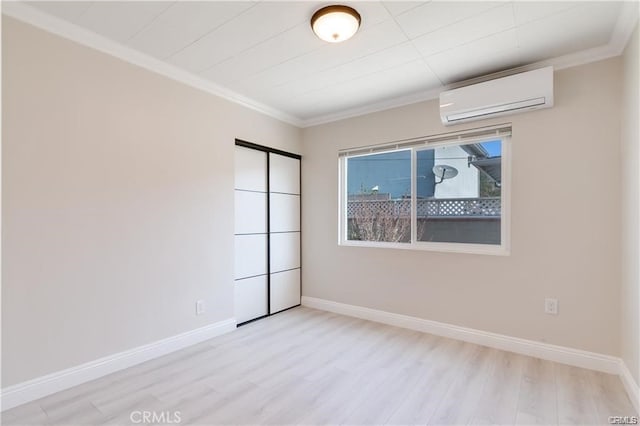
(200, 307)
(551, 306)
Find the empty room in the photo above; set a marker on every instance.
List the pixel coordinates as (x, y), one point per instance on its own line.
(320, 213)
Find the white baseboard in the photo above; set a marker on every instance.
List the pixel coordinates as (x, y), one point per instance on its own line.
(31, 390)
(630, 385)
(561, 354)
(576, 357)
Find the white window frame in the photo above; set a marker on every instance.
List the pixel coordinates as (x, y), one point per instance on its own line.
(502, 249)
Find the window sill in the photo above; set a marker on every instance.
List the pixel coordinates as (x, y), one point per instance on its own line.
(485, 249)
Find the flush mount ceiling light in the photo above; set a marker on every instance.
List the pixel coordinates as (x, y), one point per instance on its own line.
(335, 23)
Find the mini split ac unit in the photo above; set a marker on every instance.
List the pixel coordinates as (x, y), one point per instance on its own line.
(508, 95)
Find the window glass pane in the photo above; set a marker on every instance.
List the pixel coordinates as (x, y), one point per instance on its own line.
(459, 193)
(379, 197)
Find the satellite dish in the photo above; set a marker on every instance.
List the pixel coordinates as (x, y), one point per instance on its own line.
(444, 172)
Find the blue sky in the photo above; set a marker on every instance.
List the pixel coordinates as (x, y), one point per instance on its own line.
(494, 148)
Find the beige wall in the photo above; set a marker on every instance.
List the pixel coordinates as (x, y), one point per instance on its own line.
(630, 301)
(117, 194)
(565, 230)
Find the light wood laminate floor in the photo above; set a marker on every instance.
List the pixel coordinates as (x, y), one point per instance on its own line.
(305, 366)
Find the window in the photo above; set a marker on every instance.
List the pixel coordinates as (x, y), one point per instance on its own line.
(447, 194)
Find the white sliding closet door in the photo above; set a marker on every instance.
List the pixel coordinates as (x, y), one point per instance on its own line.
(267, 231)
(251, 234)
(284, 232)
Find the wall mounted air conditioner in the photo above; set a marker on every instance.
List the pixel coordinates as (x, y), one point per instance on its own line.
(507, 95)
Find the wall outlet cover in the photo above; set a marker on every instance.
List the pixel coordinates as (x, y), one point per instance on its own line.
(551, 306)
(200, 307)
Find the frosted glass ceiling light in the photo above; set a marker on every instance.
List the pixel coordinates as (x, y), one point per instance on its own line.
(335, 23)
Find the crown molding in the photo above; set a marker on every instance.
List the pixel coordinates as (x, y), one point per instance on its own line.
(620, 35)
(582, 57)
(413, 98)
(559, 63)
(625, 25)
(627, 21)
(30, 15)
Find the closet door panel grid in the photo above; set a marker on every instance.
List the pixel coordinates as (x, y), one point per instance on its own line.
(267, 231)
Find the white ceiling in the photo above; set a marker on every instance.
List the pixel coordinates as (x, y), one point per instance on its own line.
(266, 53)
